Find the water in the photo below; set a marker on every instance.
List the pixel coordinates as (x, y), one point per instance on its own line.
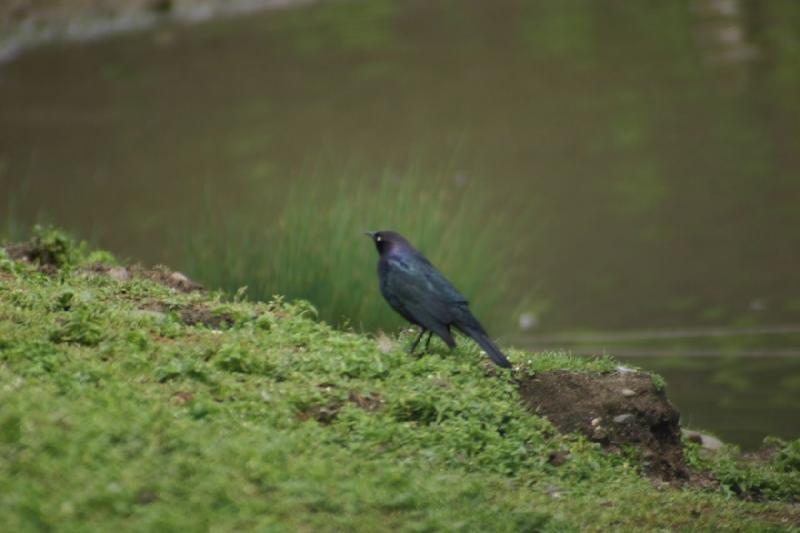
(643, 157)
(740, 399)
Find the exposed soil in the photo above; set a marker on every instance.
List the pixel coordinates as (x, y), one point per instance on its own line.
(619, 411)
(616, 410)
(326, 412)
(201, 315)
(159, 274)
(765, 454)
(192, 315)
(47, 257)
(50, 256)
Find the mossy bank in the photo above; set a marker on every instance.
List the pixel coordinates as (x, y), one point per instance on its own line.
(130, 400)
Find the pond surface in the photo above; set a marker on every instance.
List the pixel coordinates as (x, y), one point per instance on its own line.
(641, 159)
(740, 399)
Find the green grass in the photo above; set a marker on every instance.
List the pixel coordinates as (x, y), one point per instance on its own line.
(116, 417)
(318, 250)
(778, 478)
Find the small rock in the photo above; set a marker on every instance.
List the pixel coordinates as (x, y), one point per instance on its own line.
(711, 443)
(385, 343)
(596, 421)
(557, 458)
(177, 277)
(625, 370)
(553, 491)
(628, 392)
(623, 418)
(706, 441)
(599, 433)
(175, 280)
(119, 273)
(183, 397)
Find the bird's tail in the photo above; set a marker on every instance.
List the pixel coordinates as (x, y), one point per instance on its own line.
(480, 336)
(491, 348)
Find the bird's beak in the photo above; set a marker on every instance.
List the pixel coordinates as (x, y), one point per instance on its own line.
(370, 234)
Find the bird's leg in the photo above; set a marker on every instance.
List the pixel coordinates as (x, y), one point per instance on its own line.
(419, 338)
(428, 342)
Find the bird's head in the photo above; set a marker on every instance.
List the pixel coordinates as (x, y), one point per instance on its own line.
(386, 241)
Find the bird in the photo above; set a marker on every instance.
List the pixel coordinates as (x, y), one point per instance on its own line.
(425, 297)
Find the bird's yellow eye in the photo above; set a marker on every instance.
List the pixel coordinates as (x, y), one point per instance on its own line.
(378, 238)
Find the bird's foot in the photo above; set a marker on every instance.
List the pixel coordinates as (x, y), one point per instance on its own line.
(416, 342)
(419, 354)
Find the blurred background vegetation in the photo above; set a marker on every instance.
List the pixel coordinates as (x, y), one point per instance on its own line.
(314, 251)
(575, 166)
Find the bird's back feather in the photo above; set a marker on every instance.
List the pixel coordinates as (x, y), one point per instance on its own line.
(412, 294)
(423, 296)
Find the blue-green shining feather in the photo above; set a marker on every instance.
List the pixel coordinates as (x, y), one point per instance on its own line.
(424, 296)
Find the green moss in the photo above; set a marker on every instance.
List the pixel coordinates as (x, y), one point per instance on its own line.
(52, 246)
(117, 416)
(776, 476)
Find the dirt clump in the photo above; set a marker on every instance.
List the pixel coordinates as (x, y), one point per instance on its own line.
(200, 315)
(50, 253)
(326, 412)
(163, 275)
(368, 402)
(617, 410)
(47, 255)
(193, 314)
(159, 274)
(26, 253)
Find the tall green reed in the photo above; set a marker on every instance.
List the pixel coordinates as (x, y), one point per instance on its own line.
(317, 250)
(12, 226)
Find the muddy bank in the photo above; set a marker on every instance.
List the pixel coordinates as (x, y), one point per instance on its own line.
(28, 23)
(619, 411)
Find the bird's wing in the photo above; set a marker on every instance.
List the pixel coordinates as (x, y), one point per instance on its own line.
(438, 283)
(421, 295)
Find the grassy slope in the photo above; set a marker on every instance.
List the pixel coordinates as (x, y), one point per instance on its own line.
(115, 417)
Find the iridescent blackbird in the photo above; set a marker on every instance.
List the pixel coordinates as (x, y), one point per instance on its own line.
(419, 292)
